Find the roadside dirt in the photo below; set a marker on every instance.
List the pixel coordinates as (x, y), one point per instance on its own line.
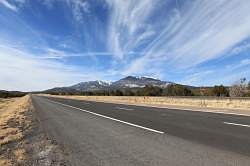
(22, 140)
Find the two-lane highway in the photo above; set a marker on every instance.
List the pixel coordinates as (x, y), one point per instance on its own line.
(97, 133)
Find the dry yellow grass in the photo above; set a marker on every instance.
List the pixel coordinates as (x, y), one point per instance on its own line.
(20, 155)
(12, 123)
(5, 162)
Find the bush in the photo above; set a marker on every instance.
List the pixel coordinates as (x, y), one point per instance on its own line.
(239, 89)
(220, 91)
(128, 92)
(6, 94)
(150, 90)
(177, 90)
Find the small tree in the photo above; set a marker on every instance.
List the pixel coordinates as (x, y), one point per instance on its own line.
(150, 90)
(177, 90)
(220, 91)
(248, 90)
(118, 93)
(128, 92)
(239, 88)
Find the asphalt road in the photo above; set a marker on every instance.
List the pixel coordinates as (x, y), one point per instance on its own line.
(96, 133)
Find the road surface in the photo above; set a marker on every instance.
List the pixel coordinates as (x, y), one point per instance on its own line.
(97, 133)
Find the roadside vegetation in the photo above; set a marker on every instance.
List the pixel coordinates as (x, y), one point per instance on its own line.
(8, 94)
(239, 89)
(13, 125)
(22, 141)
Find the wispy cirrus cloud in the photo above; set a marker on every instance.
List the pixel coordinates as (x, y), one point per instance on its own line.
(240, 64)
(116, 38)
(227, 74)
(239, 49)
(8, 5)
(199, 31)
(79, 8)
(12, 5)
(50, 53)
(128, 25)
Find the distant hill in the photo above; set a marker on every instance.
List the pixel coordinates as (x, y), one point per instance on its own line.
(127, 82)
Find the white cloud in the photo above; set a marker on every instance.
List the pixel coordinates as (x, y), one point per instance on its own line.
(197, 32)
(51, 53)
(8, 5)
(245, 62)
(22, 71)
(198, 77)
(242, 63)
(226, 75)
(136, 67)
(144, 36)
(55, 53)
(48, 3)
(80, 8)
(13, 5)
(238, 49)
(127, 18)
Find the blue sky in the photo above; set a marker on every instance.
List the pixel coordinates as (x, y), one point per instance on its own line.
(48, 43)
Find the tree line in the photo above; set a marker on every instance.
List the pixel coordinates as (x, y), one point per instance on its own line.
(148, 90)
(7, 94)
(239, 89)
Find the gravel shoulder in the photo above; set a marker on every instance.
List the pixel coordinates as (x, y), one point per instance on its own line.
(22, 139)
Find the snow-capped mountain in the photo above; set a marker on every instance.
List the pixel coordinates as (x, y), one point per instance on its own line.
(91, 85)
(132, 81)
(127, 82)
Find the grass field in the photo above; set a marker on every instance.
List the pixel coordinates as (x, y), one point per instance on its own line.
(13, 124)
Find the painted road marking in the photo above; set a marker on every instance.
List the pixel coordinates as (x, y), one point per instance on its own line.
(117, 120)
(182, 109)
(236, 124)
(122, 108)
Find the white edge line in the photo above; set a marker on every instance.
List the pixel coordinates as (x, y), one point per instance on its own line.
(236, 124)
(182, 109)
(219, 112)
(121, 108)
(117, 120)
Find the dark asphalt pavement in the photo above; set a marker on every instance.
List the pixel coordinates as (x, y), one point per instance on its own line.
(96, 133)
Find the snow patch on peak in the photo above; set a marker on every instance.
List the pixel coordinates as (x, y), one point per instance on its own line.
(133, 85)
(103, 82)
(99, 82)
(141, 77)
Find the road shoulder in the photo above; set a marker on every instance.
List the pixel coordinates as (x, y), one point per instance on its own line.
(22, 140)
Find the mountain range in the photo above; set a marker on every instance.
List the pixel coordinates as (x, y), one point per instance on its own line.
(127, 82)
